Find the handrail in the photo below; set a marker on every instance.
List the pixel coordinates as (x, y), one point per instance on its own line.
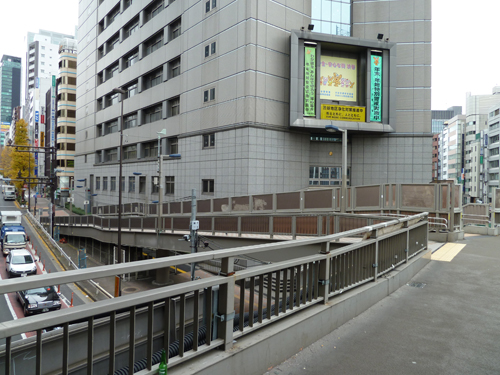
(7, 286)
(68, 258)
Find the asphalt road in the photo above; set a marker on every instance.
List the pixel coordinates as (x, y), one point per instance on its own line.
(448, 326)
(10, 308)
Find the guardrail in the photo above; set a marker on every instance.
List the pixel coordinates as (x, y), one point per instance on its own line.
(440, 200)
(72, 264)
(117, 333)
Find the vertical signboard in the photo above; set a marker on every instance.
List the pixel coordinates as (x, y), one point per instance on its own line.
(376, 88)
(53, 112)
(310, 81)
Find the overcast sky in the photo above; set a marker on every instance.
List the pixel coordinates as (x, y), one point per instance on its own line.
(464, 53)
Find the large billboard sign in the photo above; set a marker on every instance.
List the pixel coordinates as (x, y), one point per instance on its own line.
(310, 81)
(376, 88)
(338, 79)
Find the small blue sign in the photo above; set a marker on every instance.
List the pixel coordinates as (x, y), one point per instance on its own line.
(37, 116)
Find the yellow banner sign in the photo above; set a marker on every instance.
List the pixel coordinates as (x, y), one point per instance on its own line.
(338, 78)
(342, 113)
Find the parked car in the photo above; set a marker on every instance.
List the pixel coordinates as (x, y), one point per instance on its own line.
(20, 263)
(39, 300)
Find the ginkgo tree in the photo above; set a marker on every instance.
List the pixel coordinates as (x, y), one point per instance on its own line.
(22, 162)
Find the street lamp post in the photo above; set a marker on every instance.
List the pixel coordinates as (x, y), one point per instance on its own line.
(343, 191)
(121, 91)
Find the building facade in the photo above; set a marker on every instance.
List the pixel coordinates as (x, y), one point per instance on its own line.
(66, 115)
(216, 76)
(478, 108)
(42, 59)
(10, 91)
(493, 146)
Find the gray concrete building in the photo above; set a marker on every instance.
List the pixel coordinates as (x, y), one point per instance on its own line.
(219, 78)
(493, 146)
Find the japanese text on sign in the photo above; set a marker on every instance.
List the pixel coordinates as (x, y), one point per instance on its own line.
(338, 78)
(342, 113)
(376, 89)
(310, 81)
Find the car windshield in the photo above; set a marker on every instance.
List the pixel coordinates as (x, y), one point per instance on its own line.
(22, 259)
(15, 238)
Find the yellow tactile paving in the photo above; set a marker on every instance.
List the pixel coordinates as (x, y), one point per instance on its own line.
(447, 252)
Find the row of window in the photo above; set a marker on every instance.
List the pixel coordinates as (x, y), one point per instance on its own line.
(207, 185)
(174, 30)
(327, 175)
(149, 149)
(149, 115)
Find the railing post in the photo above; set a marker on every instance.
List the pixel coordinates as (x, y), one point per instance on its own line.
(294, 227)
(451, 194)
(375, 265)
(226, 304)
(239, 226)
(271, 225)
(324, 272)
(407, 250)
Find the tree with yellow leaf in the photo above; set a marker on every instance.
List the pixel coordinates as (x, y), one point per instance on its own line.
(22, 163)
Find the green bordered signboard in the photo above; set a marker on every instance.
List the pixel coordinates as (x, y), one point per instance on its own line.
(310, 81)
(342, 113)
(376, 89)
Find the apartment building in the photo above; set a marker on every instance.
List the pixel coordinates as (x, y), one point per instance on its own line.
(212, 85)
(493, 146)
(478, 108)
(42, 56)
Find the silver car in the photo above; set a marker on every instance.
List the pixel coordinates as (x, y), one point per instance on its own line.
(20, 263)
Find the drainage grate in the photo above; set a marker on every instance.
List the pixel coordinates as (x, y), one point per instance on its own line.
(416, 284)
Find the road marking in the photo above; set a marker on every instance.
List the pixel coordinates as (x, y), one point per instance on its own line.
(447, 252)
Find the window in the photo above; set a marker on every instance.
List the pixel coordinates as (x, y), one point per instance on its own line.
(131, 58)
(142, 184)
(130, 152)
(104, 183)
(209, 140)
(326, 176)
(98, 183)
(131, 184)
(112, 42)
(209, 5)
(112, 181)
(131, 27)
(154, 184)
(112, 71)
(153, 43)
(154, 9)
(175, 29)
(71, 64)
(152, 114)
(113, 15)
(151, 149)
(210, 49)
(174, 67)
(173, 145)
(111, 155)
(174, 106)
(111, 100)
(207, 186)
(98, 157)
(123, 183)
(209, 95)
(111, 127)
(131, 90)
(130, 121)
(169, 185)
(154, 78)
(126, 4)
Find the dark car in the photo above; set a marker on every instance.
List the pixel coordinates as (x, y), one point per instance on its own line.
(39, 300)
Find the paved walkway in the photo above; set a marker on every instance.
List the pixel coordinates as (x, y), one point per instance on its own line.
(445, 322)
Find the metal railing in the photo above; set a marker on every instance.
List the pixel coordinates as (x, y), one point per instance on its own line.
(130, 330)
(70, 261)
